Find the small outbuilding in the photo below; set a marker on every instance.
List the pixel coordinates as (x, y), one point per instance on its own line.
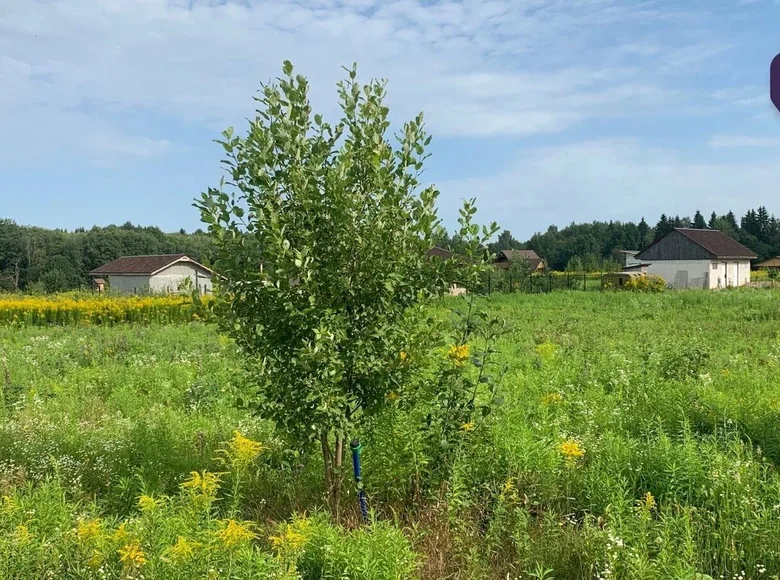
(619, 279)
(155, 274)
(770, 264)
(698, 258)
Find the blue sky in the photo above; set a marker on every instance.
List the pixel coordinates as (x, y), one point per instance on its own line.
(546, 111)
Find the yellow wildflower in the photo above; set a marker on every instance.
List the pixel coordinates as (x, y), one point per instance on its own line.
(148, 503)
(547, 350)
(552, 398)
(234, 533)
(121, 535)
(8, 504)
(182, 550)
(292, 539)
(404, 356)
(86, 531)
(725, 372)
(132, 555)
(241, 451)
(458, 354)
(23, 534)
(646, 503)
(392, 396)
(205, 484)
(467, 427)
(95, 560)
(571, 449)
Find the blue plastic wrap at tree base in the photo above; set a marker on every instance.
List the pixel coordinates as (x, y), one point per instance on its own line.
(774, 82)
(357, 449)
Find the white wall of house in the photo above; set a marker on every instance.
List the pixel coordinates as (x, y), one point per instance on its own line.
(708, 274)
(165, 281)
(129, 283)
(169, 279)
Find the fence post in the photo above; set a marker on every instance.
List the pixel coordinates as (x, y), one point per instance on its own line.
(549, 282)
(490, 276)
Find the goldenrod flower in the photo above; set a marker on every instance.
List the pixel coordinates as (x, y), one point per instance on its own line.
(571, 449)
(8, 504)
(552, 398)
(647, 502)
(132, 555)
(546, 350)
(121, 535)
(95, 560)
(234, 533)
(467, 427)
(241, 451)
(204, 484)
(458, 354)
(148, 503)
(23, 534)
(293, 538)
(86, 531)
(182, 550)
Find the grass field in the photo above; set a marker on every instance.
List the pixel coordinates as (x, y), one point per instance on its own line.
(638, 438)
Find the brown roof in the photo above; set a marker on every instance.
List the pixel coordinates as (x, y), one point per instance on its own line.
(717, 243)
(142, 264)
(439, 253)
(505, 258)
(770, 263)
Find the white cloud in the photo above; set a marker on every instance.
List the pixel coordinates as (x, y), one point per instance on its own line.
(477, 67)
(612, 179)
(724, 141)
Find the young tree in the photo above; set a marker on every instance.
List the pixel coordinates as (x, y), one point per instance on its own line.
(698, 221)
(321, 236)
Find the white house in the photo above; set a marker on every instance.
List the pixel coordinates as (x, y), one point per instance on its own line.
(156, 274)
(698, 258)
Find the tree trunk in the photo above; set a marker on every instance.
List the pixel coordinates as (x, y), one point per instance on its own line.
(338, 480)
(327, 461)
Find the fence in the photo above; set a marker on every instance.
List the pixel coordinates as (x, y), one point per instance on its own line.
(507, 282)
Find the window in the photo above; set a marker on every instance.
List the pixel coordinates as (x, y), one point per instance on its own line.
(714, 266)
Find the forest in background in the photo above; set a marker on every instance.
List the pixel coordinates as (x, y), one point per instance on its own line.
(36, 259)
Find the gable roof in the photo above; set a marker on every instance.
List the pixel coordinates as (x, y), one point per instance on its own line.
(770, 263)
(439, 253)
(149, 265)
(519, 255)
(715, 242)
(505, 258)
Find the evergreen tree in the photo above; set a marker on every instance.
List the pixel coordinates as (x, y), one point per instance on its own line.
(698, 221)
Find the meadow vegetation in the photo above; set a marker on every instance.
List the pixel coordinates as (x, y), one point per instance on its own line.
(628, 435)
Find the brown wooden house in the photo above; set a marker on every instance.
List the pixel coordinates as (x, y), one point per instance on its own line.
(505, 258)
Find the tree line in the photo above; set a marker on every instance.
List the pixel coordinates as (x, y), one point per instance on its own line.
(595, 246)
(53, 260)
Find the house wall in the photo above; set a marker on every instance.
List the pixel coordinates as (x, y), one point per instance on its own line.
(129, 283)
(708, 274)
(168, 280)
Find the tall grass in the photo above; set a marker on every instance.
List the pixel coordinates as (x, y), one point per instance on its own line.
(636, 437)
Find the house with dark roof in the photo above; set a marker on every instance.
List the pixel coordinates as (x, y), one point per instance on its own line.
(505, 258)
(770, 264)
(698, 258)
(156, 274)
